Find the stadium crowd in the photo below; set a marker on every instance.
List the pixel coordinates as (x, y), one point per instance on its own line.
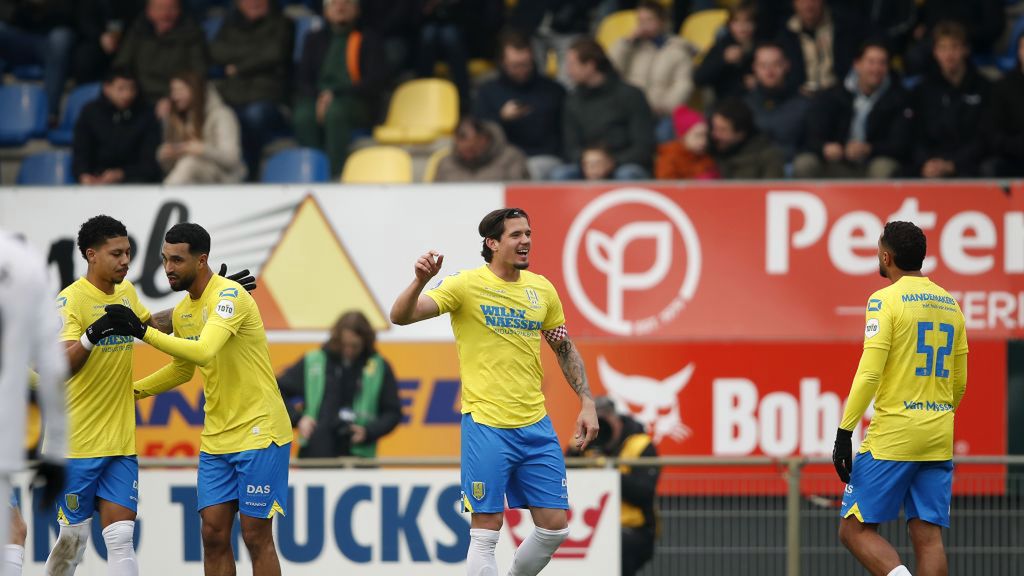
(197, 91)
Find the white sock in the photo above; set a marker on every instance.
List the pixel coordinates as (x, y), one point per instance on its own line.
(69, 550)
(480, 559)
(900, 570)
(535, 552)
(120, 551)
(14, 557)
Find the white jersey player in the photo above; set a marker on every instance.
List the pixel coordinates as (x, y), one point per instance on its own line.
(28, 339)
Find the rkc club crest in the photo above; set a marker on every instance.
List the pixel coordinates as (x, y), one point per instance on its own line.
(478, 490)
(72, 502)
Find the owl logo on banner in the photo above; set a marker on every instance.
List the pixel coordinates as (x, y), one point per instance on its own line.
(659, 399)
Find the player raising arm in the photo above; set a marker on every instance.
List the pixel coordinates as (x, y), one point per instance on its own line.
(914, 366)
(499, 313)
(247, 434)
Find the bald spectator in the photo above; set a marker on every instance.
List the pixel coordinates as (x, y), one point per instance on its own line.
(949, 109)
(603, 108)
(819, 47)
(860, 129)
(659, 63)
(480, 153)
(162, 43)
(780, 111)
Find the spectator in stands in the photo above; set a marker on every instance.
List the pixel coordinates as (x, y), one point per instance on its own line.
(659, 63)
(254, 47)
(983, 21)
(891, 21)
(395, 22)
(597, 163)
(950, 110)
(739, 150)
(338, 92)
(819, 48)
(726, 68)
(860, 128)
(343, 397)
(527, 105)
(780, 111)
(686, 157)
(480, 153)
(553, 25)
(116, 136)
(603, 108)
(621, 436)
(1006, 137)
(100, 26)
(201, 140)
(39, 33)
(160, 45)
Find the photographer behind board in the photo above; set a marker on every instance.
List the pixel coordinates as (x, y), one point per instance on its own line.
(620, 436)
(342, 397)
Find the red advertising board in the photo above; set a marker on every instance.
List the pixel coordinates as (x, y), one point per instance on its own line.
(759, 262)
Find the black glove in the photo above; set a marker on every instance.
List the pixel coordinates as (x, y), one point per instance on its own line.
(100, 329)
(244, 278)
(842, 454)
(50, 477)
(126, 323)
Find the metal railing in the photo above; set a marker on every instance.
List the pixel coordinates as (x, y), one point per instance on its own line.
(780, 517)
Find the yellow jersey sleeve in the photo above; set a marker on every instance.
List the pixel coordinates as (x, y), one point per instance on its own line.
(960, 345)
(878, 322)
(449, 293)
(71, 325)
(555, 316)
(230, 311)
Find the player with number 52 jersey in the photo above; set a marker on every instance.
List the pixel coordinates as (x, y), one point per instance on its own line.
(914, 366)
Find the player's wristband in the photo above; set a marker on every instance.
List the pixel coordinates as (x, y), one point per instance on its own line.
(86, 343)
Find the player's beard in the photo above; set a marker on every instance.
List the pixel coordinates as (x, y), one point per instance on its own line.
(882, 273)
(183, 283)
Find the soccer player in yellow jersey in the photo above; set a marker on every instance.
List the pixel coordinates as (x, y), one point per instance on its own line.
(243, 461)
(102, 470)
(499, 313)
(914, 366)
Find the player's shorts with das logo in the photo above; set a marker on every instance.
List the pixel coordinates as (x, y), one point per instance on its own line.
(878, 488)
(524, 465)
(112, 478)
(257, 479)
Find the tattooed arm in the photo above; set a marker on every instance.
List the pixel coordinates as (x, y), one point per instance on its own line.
(572, 368)
(162, 321)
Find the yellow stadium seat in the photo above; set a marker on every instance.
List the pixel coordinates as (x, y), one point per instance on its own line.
(615, 26)
(421, 111)
(378, 165)
(700, 28)
(430, 172)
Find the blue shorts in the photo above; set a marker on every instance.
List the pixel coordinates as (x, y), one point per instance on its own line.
(257, 479)
(877, 488)
(112, 478)
(524, 465)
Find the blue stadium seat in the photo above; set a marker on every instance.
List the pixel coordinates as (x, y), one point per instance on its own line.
(304, 25)
(46, 169)
(28, 72)
(297, 166)
(211, 25)
(79, 97)
(22, 113)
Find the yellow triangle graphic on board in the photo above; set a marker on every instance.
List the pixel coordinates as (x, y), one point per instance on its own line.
(311, 276)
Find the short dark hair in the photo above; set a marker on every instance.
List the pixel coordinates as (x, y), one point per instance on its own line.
(738, 113)
(588, 50)
(950, 29)
(653, 7)
(745, 7)
(197, 238)
(869, 44)
(97, 230)
(118, 73)
(907, 243)
(493, 226)
(474, 123)
(514, 39)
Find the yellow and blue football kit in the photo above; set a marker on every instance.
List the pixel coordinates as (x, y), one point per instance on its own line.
(247, 432)
(101, 407)
(914, 366)
(509, 447)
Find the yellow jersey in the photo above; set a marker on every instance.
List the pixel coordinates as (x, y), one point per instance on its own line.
(922, 328)
(100, 401)
(497, 327)
(244, 409)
